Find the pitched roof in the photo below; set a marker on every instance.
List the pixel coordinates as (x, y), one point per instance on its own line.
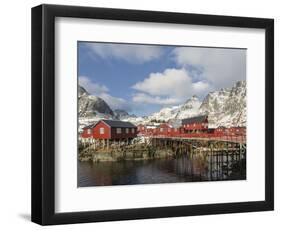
(91, 125)
(175, 123)
(191, 120)
(119, 124)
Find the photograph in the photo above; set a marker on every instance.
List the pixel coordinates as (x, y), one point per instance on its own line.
(170, 112)
(151, 114)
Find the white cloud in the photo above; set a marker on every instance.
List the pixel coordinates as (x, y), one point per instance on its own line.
(220, 67)
(103, 92)
(200, 87)
(116, 102)
(170, 82)
(127, 52)
(147, 99)
(91, 87)
(173, 86)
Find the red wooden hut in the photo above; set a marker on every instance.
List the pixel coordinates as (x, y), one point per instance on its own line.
(167, 129)
(231, 131)
(88, 131)
(164, 129)
(195, 124)
(141, 129)
(236, 131)
(220, 131)
(110, 130)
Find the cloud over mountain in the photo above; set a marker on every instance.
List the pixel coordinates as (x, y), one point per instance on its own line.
(172, 86)
(103, 92)
(220, 67)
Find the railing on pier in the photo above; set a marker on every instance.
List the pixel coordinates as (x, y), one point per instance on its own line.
(203, 136)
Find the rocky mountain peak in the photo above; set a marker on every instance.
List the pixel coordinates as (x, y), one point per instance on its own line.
(90, 105)
(122, 114)
(82, 91)
(225, 107)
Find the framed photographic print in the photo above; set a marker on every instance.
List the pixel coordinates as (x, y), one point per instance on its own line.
(142, 114)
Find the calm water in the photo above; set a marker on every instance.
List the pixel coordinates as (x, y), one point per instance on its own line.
(170, 170)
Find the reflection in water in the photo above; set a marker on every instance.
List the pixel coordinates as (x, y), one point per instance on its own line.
(182, 169)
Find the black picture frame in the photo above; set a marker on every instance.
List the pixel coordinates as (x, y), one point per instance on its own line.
(43, 114)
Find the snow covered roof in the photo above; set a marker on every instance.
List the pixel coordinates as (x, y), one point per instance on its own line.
(175, 123)
(90, 126)
(191, 120)
(151, 127)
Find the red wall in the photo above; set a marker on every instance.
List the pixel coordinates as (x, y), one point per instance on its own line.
(142, 129)
(85, 134)
(97, 134)
(166, 129)
(231, 131)
(194, 126)
(109, 133)
(197, 126)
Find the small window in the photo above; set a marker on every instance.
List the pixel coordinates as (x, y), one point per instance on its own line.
(118, 130)
(89, 131)
(161, 129)
(169, 130)
(187, 125)
(127, 130)
(101, 130)
(133, 130)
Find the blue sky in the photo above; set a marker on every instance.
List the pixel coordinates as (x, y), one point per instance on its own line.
(142, 79)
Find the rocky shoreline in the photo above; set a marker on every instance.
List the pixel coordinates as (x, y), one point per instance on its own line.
(130, 152)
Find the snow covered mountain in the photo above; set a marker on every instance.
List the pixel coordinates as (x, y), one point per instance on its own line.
(165, 114)
(82, 92)
(92, 106)
(189, 108)
(225, 107)
(122, 114)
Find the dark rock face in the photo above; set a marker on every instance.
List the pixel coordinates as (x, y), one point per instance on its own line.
(89, 105)
(82, 91)
(122, 114)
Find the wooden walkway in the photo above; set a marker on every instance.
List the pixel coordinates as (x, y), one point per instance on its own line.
(231, 139)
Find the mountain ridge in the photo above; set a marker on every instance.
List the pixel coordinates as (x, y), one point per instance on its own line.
(224, 107)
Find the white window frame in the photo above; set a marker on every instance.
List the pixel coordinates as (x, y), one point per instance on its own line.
(89, 131)
(118, 130)
(101, 130)
(133, 130)
(127, 130)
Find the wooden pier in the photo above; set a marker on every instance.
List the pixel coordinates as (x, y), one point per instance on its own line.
(223, 158)
(220, 155)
